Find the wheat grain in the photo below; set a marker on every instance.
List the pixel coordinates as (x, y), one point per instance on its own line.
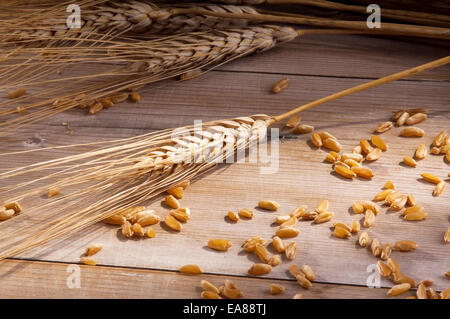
(309, 272)
(447, 235)
(15, 206)
(150, 232)
(351, 163)
(250, 244)
(389, 185)
(208, 286)
(363, 239)
(191, 269)
(379, 142)
(386, 252)
(398, 289)
(439, 189)
(383, 194)
(275, 260)
(399, 278)
(412, 132)
(435, 150)
(399, 203)
(431, 178)
(146, 218)
(374, 155)
(52, 192)
(323, 217)
(278, 244)
(16, 93)
(210, 295)
(352, 156)
(259, 269)
(383, 269)
(411, 200)
(287, 232)
(358, 207)
(421, 152)
(6, 214)
(276, 289)
(233, 216)
(393, 265)
(293, 121)
(294, 270)
(291, 222)
(416, 118)
(355, 227)
(93, 249)
(303, 129)
(402, 118)
(376, 247)
(88, 261)
(262, 253)
(291, 250)
(392, 196)
(316, 140)
(363, 172)
(344, 171)
(172, 202)
(269, 205)
(303, 281)
(384, 127)
(409, 161)
(439, 140)
(405, 245)
(176, 192)
(280, 85)
(332, 144)
(219, 244)
(371, 206)
(127, 229)
(173, 223)
(181, 214)
(341, 232)
(246, 213)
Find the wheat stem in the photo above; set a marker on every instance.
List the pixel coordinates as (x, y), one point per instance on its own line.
(390, 78)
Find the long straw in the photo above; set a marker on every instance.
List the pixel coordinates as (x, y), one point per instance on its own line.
(386, 79)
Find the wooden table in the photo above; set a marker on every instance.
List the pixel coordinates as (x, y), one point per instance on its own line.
(316, 66)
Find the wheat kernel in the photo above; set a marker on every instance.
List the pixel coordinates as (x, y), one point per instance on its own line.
(269, 205)
(316, 140)
(435, 150)
(383, 269)
(411, 200)
(287, 232)
(386, 252)
(181, 214)
(416, 118)
(405, 245)
(173, 223)
(191, 269)
(421, 152)
(262, 253)
(172, 202)
(447, 235)
(365, 146)
(293, 121)
(207, 286)
(135, 97)
(358, 207)
(15, 206)
(88, 261)
(309, 272)
(431, 178)
(439, 140)
(138, 230)
(374, 155)
(210, 295)
(52, 192)
(363, 172)
(412, 132)
(6, 214)
(375, 247)
(276, 289)
(398, 289)
(382, 195)
(323, 217)
(259, 269)
(93, 249)
(150, 233)
(280, 85)
(363, 239)
(355, 226)
(246, 213)
(409, 161)
(344, 172)
(384, 127)
(275, 260)
(233, 216)
(278, 244)
(177, 192)
(332, 144)
(303, 281)
(17, 93)
(439, 189)
(402, 119)
(127, 229)
(303, 129)
(379, 142)
(291, 250)
(219, 244)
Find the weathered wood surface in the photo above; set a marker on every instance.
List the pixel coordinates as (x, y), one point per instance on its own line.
(316, 67)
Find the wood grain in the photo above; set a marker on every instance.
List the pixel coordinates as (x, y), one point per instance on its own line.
(243, 88)
(49, 280)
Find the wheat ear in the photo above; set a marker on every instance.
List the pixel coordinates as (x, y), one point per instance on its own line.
(126, 65)
(134, 170)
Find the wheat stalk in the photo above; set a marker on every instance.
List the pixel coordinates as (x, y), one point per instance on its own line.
(134, 170)
(103, 19)
(127, 65)
(403, 15)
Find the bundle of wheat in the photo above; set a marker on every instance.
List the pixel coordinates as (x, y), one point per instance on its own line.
(95, 184)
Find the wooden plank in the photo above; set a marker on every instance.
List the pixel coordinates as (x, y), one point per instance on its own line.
(301, 179)
(28, 279)
(347, 56)
(219, 95)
